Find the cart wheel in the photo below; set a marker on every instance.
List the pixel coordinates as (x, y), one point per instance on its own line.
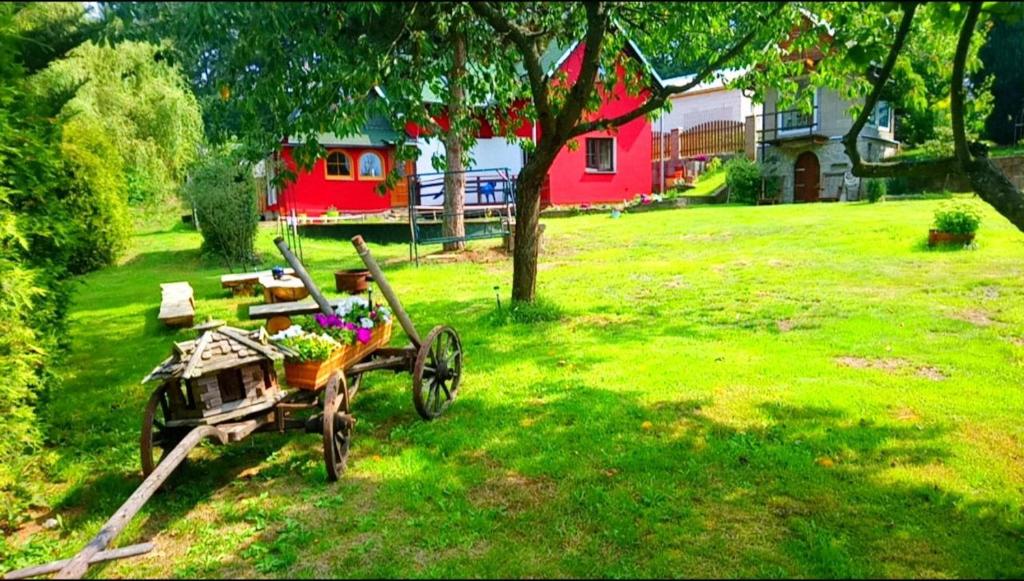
(436, 374)
(338, 426)
(155, 433)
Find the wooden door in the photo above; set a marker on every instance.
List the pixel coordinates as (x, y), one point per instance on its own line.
(806, 178)
(400, 193)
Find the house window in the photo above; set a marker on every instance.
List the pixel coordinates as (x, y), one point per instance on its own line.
(371, 166)
(881, 116)
(796, 118)
(338, 166)
(600, 154)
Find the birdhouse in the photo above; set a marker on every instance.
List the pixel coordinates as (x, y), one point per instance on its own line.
(225, 373)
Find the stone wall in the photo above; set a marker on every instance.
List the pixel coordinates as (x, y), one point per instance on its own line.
(832, 160)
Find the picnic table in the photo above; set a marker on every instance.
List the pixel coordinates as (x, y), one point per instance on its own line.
(285, 289)
(243, 282)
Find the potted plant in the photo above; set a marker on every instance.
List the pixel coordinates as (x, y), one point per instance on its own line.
(954, 224)
(311, 359)
(331, 213)
(352, 281)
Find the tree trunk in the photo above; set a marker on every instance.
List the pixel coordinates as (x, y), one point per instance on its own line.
(994, 187)
(527, 248)
(455, 177)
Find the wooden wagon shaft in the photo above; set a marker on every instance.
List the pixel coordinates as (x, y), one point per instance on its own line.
(300, 271)
(78, 565)
(111, 555)
(386, 290)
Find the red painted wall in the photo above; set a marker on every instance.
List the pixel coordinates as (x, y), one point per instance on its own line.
(569, 181)
(312, 193)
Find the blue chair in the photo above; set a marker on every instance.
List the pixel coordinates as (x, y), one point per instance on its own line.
(487, 190)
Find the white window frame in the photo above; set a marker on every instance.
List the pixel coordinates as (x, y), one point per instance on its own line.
(873, 118)
(779, 131)
(615, 155)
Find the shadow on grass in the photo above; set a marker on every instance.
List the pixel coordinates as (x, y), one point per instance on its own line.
(583, 488)
(567, 478)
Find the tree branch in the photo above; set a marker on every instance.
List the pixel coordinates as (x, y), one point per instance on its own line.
(865, 169)
(597, 25)
(528, 52)
(657, 98)
(956, 95)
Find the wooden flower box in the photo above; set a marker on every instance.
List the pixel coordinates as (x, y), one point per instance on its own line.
(937, 237)
(313, 375)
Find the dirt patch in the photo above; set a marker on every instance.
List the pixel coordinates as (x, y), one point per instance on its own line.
(892, 365)
(974, 317)
(1018, 341)
(988, 292)
(600, 321)
(906, 414)
(887, 364)
(785, 325)
(676, 282)
(513, 492)
(931, 373)
(474, 255)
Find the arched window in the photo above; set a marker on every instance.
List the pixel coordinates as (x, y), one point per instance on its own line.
(338, 165)
(371, 166)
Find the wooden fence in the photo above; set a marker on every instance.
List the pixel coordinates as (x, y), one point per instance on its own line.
(710, 138)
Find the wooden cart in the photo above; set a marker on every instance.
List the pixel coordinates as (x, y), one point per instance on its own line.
(223, 386)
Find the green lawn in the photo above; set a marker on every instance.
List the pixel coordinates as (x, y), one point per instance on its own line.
(797, 390)
(708, 184)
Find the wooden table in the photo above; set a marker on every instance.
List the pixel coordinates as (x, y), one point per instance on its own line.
(285, 289)
(242, 283)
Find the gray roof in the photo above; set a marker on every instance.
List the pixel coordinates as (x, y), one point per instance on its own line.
(215, 350)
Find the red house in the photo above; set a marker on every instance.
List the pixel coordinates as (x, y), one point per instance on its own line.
(606, 167)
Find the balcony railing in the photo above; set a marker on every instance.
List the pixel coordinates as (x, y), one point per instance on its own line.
(788, 124)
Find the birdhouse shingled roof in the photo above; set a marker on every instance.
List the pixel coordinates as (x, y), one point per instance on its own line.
(215, 350)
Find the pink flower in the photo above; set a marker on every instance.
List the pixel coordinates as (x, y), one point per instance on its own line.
(363, 335)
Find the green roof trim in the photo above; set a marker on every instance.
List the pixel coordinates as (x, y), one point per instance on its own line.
(377, 132)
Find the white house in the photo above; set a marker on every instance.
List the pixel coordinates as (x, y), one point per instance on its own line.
(707, 121)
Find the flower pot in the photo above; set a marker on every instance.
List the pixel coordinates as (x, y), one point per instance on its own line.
(936, 237)
(309, 375)
(352, 281)
(313, 375)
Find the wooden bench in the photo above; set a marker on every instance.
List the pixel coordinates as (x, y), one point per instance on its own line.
(177, 305)
(243, 282)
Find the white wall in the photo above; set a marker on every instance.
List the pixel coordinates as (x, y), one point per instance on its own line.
(690, 110)
(494, 152)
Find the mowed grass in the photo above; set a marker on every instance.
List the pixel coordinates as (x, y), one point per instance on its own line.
(801, 390)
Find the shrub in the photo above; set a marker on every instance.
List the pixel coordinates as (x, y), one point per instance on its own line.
(941, 145)
(744, 180)
(714, 165)
(957, 219)
(875, 189)
(99, 224)
(223, 193)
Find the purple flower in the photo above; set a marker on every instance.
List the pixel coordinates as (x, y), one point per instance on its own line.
(363, 335)
(350, 326)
